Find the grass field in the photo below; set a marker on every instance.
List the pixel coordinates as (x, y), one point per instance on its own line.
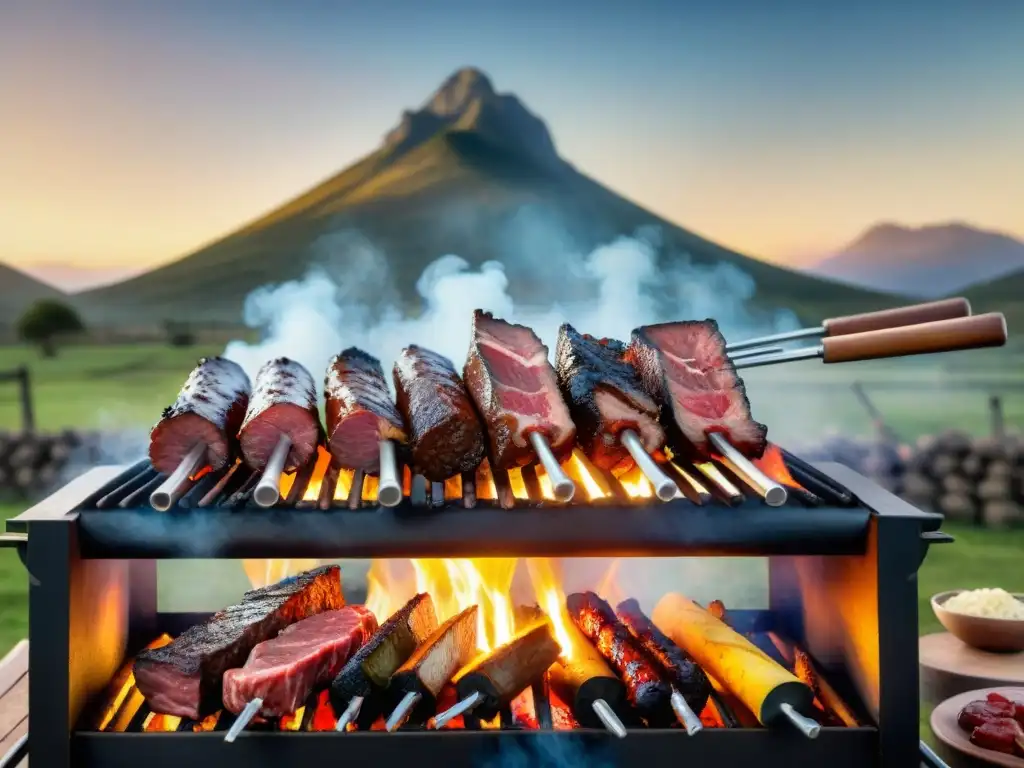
(128, 385)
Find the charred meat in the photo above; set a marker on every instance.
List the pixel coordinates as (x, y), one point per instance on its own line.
(209, 409)
(647, 685)
(283, 403)
(359, 411)
(605, 397)
(185, 677)
(445, 432)
(685, 368)
(286, 669)
(515, 388)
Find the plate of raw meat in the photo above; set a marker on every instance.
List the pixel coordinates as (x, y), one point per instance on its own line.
(987, 724)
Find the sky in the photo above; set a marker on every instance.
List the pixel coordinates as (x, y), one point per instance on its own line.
(132, 133)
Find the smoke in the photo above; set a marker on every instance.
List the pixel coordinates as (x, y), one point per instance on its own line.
(313, 318)
(559, 750)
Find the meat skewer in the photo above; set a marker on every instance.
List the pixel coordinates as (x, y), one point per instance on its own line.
(647, 686)
(493, 680)
(445, 433)
(614, 417)
(975, 332)
(200, 428)
(282, 672)
(362, 421)
(765, 687)
(420, 679)
(281, 429)
(185, 677)
(690, 686)
(913, 314)
(371, 669)
(773, 493)
(514, 386)
(753, 352)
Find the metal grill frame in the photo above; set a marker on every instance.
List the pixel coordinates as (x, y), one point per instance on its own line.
(86, 612)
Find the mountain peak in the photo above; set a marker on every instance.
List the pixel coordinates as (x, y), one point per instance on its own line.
(468, 101)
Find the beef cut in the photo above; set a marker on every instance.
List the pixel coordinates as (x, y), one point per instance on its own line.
(1001, 735)
(685, 367)
(359, 411)
(605, 397)
(283, 403)
(515, 388)
(286, 669)
(445, 432)
(209, 409)
(184, 678)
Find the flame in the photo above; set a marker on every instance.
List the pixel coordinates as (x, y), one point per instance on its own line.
(635, 484)
(551, 598)
(370, 485)
(323, 461)
(485, 490)
(609, 586)
(545, 483)
(344, 484)
(453, 488)
(264, 572)
(518, 484)
(284, 485)
(293, 721)
(585, 474)
(714, 474)
(693, 482)
(156, 723)
(774, 465)
(379, 598)
(201, 473)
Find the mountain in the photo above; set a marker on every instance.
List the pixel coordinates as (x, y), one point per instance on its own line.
(71, 278)
(928, 261)
(472, 172)
(18, 291)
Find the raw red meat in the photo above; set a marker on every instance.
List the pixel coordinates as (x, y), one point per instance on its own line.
(515, 388)
(980, 712)
(359, 411)
(285, 670)
(445, 432)
(283, 403)
(1000, 735)
(184, 678)
(684, 366)
(1018, 706)
(209, 409)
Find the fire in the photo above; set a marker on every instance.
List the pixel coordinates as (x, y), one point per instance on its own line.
(774, 465)
(636, 484)
(585, 475)
(548, 589)
(323, 461)
(264, 572)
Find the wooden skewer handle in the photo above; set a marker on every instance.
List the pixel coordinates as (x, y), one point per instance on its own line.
(915, 314)
(940, 336)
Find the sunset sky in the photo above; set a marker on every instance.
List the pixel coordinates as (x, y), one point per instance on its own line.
(133, 132)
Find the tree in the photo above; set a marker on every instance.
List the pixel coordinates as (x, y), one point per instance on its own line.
(44, 321)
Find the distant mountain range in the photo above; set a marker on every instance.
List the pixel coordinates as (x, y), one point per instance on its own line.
(460, 175)
(928, 261)
(18, 291)
(71, 278)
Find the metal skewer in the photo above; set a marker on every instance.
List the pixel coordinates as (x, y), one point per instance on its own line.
(561, 484)
(753, 352)
(808, 727)
(689, 719)
(945, 309)
(389, 487)
(402, 711)
(267, 491)
(173, 488)
(775, 495)
(609, 718)
(664, 486)
(243, 719)
(468, 704)
(350, 714)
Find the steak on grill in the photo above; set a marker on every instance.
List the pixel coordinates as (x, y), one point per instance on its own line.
(445, 432)
(605, 397)
(285, 670)
(209, 409)
(283, 403)
(359, 411)
(510, 379)
(685, 367)
(184, 678)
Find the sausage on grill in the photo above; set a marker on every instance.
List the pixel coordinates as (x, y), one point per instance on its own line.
(209, 409)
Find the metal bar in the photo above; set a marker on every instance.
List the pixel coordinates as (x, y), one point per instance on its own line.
(389, 488)
(773, 493)
(133, 484)
(754, 352)
(791, 356)
(778, 338)
(179, 481)
(665, 487)
(561, 484)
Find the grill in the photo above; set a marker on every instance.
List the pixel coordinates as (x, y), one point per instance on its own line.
(842, 555)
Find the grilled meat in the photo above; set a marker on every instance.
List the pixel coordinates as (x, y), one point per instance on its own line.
(369, 672)
(209, 409)
(184, 678)
(508, 375)
(1004, 735)
(283, 402)
(359, 411)
(445, 432)
(450, 647)
(978, 712)
(685, 368)
(688, 678)
(647, 685)
(502, 674)
(286, 669)
(605, 397)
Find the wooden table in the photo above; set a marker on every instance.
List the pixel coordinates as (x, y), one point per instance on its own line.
(948, 668)
(14, 700)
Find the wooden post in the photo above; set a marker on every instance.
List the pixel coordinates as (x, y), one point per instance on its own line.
(995, 407)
